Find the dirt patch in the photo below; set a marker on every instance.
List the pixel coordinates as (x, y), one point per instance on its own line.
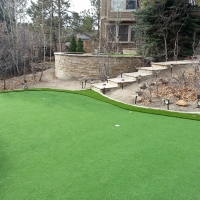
(48, 81)
(153, 94)
(127, 95)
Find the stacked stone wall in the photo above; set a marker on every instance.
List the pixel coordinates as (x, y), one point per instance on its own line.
(76, 66)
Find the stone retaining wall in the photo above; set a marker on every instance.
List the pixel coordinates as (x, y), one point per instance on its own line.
(78, 66)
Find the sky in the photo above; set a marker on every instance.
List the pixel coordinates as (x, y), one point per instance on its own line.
(80, 5)
(77, 5)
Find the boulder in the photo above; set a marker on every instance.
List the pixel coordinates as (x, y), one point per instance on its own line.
(181, 103)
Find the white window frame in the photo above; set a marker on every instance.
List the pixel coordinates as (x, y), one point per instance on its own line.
(120, 5)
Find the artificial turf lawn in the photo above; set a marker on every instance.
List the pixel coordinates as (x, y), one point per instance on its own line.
(57, 145)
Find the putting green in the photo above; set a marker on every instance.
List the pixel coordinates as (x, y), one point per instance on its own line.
(56, 145)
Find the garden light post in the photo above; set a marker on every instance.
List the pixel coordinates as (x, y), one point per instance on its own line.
(171, 67)
(136, 97)
(104, 88)
(199, 64)
(157, 88)
(25, 87)
(156, 73)
(150, 93)
(167, 102)
(107, 78)
(198, 101)
(121, 72)
(139, 78)
(122, 84)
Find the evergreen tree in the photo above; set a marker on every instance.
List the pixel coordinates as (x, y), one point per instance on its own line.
(79, 47)
(167, 28)
(53, 14)
(82, 22)
(72, 47)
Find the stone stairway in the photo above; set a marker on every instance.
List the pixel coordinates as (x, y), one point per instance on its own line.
(142, 74)
(126, 79)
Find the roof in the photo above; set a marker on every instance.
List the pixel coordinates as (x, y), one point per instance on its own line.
(83, 36)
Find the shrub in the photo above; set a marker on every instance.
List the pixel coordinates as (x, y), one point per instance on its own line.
(79, 47)
(72, 47)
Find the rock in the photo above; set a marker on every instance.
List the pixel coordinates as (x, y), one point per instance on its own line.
(139, 99)
(143, 86)
(181, 103)
(163, 81)
(153, 83)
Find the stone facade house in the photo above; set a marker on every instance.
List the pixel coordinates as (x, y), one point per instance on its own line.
(116, 22)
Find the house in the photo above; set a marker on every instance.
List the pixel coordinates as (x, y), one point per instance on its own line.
(116, 22)
(85, 39)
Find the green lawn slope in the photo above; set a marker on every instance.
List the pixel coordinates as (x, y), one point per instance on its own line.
(62, 145)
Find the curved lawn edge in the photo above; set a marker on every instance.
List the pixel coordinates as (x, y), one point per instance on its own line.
(95, 95)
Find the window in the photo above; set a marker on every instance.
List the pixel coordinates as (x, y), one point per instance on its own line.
(131, 4)
(117, 5)
(122, 5)
(121, 33)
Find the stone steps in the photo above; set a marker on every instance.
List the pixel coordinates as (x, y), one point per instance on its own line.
(104, 87)
(175, 63)
(122, 81)
(142, 74)
(152, 68)
(135, 74)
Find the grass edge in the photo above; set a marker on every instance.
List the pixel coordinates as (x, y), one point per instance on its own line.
(95, 95)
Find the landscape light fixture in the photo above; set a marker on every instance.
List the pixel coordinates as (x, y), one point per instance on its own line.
(157, 84)
(171, 67)
(104, 88)
(139, 78)
(150, 94)
(91, 81)
(122, 83)
(107, 78)
(121, 72)
(198, 101)
(167, 102)
(156, 73)
(136, 96)
(199, 64)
